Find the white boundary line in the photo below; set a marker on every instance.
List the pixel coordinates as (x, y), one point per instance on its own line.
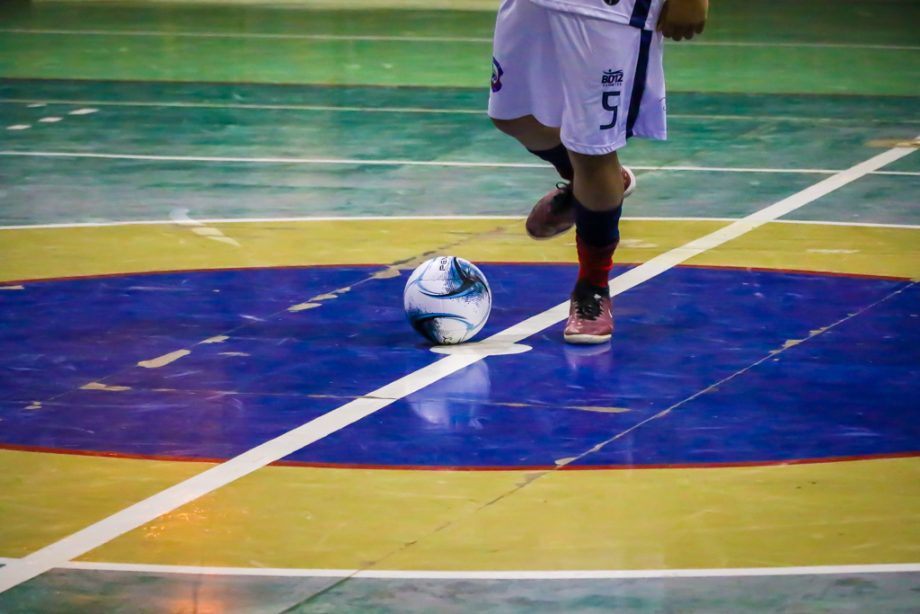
(243, 106)
(147, 510)
(255, 35)
(378, 162)
(177, 104)
(857, 224)
(266, 160)
(431, 163)
(593, 574)
(414, 39)
(791, 45)
(417, 218)
(268, 220)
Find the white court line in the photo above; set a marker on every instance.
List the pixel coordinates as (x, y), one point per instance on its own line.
(427, 163)
(177, 104)
(593, 574)
(375, 162)
(415, 218)
(247, 106)
(256, 35)
(796, 45)
(898, 173)
(270, 220)
(419, 39)
(838, 223)
(147, 510)
(432, 110)
(267, 160)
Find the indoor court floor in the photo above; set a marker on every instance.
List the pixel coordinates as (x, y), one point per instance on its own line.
(210, 400)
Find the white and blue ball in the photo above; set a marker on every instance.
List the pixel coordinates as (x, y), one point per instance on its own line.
(447, 300)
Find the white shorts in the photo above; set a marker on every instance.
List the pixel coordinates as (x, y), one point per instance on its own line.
(599, 81)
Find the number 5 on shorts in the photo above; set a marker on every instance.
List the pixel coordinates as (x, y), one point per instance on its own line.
(614, 98)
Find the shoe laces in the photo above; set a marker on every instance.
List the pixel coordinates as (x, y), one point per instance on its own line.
(563, 197)
(588, 303)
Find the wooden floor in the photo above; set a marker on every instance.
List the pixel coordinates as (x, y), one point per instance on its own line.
(210, 400)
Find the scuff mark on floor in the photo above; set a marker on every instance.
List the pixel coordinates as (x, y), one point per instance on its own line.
(165, 359)
(104, 387)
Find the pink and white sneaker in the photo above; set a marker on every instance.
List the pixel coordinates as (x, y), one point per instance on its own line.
(554, 214)
(590, 315)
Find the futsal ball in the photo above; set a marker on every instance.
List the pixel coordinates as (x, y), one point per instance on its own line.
(447, 300)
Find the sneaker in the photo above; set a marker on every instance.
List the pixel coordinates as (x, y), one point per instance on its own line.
(554, 214)
(590, 317)
(629, 181)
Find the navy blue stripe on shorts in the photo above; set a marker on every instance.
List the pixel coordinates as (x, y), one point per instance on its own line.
(640, 13)
(638, 88)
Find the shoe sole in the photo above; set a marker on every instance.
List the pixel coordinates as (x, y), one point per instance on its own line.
(586, 339)
(632, 181)
(548, 237)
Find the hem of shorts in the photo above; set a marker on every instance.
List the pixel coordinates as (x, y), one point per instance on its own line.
(600, 150)
(594, 150)
(505, 116)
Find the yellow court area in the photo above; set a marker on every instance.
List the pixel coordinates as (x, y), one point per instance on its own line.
(43, 253)
(570, 520)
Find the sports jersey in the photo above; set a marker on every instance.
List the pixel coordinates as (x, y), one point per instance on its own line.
(636, 13)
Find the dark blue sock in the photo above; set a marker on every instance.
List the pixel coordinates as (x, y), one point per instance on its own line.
(558, 156)
(597, 228)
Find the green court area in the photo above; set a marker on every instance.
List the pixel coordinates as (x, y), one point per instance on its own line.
(261, 109)
(787, 46)
(224, 150)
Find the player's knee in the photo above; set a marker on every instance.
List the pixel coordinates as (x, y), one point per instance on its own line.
(519, 127)
(529, 132)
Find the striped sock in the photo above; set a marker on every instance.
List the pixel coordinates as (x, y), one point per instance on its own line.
(597, 237)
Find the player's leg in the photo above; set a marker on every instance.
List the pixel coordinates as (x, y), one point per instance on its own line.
(597, 203)
(603, 104)
(525, 101)
(554, 214)
(532, 134)
(540, 140)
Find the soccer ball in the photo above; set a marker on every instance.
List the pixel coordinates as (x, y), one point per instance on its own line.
(447, 300)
